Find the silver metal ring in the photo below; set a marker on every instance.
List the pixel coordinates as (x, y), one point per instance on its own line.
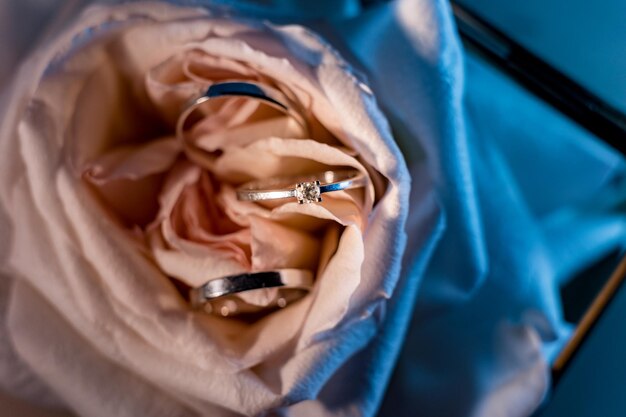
(305, 189)
(216, 296)
(253, 90)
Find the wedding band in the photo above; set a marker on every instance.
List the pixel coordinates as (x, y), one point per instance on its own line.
(215, 295)
(305, 189)
(253, 90)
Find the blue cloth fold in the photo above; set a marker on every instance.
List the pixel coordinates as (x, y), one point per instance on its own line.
(545, 192)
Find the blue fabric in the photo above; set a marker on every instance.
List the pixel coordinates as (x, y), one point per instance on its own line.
(536, 178)
(527, 200)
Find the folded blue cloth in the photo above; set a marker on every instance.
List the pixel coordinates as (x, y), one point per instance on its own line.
(526, 199)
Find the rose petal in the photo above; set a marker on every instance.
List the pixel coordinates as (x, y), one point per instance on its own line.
(275, 246)
(244, 135)
(194, 264)
(133, 161)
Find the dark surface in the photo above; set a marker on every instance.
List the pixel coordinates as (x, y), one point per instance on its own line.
(585, 40)
(551, 82)
(580, 291)
(593, 383)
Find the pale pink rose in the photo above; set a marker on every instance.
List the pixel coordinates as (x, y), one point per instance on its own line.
(106, 209)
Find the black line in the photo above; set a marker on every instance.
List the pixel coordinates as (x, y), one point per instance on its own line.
(560, 91)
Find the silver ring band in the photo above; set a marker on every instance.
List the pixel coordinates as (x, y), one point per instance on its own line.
(305, 189)
(264, 93)
(215, 294)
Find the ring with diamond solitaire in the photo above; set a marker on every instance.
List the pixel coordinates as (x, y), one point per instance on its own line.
(247, 89)
(305, 189)
(215, 296)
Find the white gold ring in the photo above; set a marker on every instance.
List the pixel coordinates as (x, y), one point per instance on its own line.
(305, 189)
(215, 296)
(248, 89)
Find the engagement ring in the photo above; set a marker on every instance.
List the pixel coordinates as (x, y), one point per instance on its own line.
(305, 189)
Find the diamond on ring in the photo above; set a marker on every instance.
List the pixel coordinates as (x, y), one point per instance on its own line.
(308, 192)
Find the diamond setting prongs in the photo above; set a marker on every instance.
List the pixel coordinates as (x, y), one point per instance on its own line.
(308, 192)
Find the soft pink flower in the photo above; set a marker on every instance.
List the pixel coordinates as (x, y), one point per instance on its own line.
(107, 209)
